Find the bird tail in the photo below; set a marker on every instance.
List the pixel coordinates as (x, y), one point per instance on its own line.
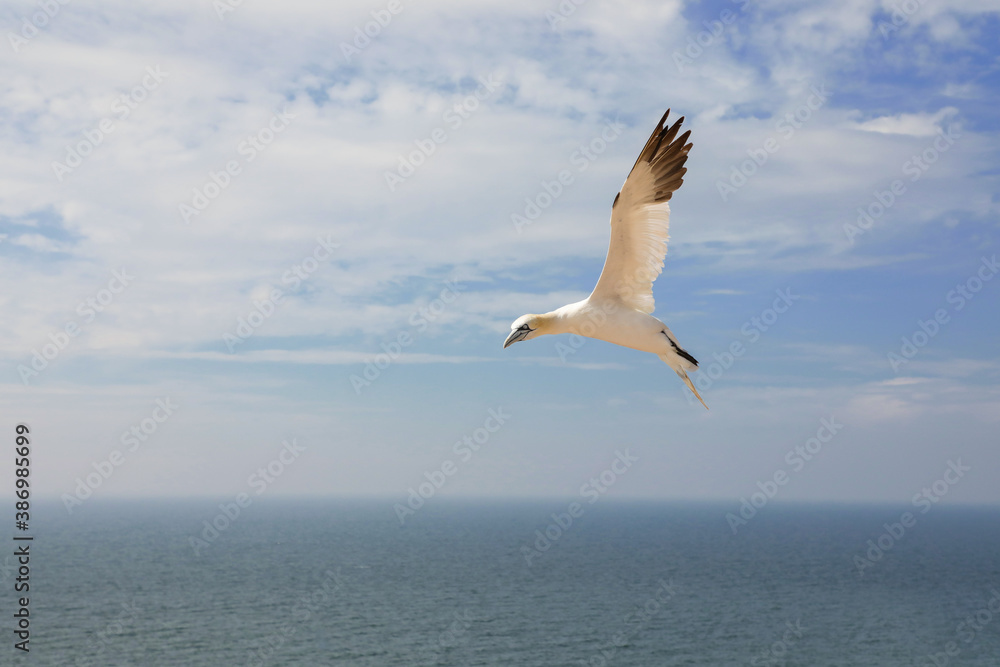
(681, 370)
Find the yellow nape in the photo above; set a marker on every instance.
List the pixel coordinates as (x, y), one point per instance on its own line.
(544, 323)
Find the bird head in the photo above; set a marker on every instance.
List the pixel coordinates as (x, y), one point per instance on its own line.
(525, 327)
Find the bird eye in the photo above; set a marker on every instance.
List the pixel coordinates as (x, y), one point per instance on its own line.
(522, 327)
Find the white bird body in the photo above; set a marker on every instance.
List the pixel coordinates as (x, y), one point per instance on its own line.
(619, 309)
(612, 323)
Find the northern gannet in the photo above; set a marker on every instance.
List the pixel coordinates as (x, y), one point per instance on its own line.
(618, 310)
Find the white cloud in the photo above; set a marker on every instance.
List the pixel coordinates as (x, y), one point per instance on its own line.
(325, 175)
(722, 292)
(910, 124)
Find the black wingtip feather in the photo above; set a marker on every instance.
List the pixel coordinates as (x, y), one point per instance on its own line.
(666, 155)
(679, 350)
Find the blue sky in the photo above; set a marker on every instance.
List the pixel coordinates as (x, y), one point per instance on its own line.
(245, 165)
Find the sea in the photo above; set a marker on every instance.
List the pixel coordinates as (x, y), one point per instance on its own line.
(530, 583)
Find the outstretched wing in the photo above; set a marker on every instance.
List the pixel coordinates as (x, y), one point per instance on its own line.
(640, 219)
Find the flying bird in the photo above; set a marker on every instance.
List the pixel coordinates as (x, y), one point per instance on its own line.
(618, 310)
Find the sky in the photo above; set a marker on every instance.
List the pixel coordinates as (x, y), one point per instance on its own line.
(275, 248)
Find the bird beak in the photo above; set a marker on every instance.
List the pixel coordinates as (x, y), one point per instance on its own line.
(515, 335)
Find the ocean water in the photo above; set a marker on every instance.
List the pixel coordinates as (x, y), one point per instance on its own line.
(626, 583)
